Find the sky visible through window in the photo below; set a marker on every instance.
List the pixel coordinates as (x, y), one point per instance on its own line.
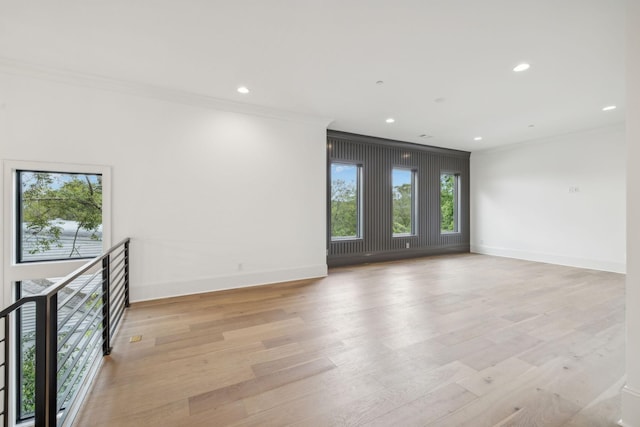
(344, 172)
(401, 177)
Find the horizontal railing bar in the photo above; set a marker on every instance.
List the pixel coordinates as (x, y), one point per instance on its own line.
(118, 254)
(116, 321)
(78, 272)
(74, 381)
(118, 260)
(114, 280)
(118, 284)
(119, 288)
(117, 310)
(91, 346)
(75, 327)
(22, 301)
(76, 291)
(75, 344)
(75, 309)
(118, 298)
(115, 266)
(74, 360)
(116, 277)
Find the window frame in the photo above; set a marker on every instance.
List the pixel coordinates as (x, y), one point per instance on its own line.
(456, 201)
(414, 201)
(18, 236)
(14, 271)
(359, 201)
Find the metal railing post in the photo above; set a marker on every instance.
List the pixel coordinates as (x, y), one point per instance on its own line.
(6, 374)
(40, 393)
(126, 274)
(52, 359)
(46, 361)
(106, 305)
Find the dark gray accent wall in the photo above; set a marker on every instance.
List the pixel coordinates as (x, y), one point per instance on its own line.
(378, 157)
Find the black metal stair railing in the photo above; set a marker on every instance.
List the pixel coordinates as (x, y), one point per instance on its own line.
(75, 320)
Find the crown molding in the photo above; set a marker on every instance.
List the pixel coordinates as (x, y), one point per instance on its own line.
(71, 77)
(552, 139)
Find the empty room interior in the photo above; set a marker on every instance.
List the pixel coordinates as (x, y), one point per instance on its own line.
(320, 213)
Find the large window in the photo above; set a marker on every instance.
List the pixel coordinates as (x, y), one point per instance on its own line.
(345, 201)
(404, 202)
(449, 202)
(59, 216)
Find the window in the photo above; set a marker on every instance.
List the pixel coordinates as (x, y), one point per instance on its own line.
(404, 202)
(59, 216)
(345, 201)
(449, 202)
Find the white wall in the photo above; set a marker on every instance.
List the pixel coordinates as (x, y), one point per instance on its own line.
(522, 206)
(212, 199)
(631, 391)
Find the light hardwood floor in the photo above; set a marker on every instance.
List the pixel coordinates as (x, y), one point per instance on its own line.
(462, 340)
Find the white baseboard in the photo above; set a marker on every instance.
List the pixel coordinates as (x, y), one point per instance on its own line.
(152, 291)
(615, 267)
(630, 407)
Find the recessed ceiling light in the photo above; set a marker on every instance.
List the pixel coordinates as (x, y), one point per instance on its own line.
(380, 82)
(609, 108)
(243, 90)
(424, 135)
(438, 100)
(521, 67)
(477, 138)
(531, 126)
(390, 120)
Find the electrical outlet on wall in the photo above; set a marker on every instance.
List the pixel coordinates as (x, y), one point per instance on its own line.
(407, 245)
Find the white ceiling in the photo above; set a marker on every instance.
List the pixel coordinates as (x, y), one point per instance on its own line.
(323, 57)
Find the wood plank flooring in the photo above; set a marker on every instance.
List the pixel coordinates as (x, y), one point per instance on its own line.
(461, 340)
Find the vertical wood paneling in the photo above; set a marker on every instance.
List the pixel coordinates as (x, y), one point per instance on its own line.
(378, 157)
